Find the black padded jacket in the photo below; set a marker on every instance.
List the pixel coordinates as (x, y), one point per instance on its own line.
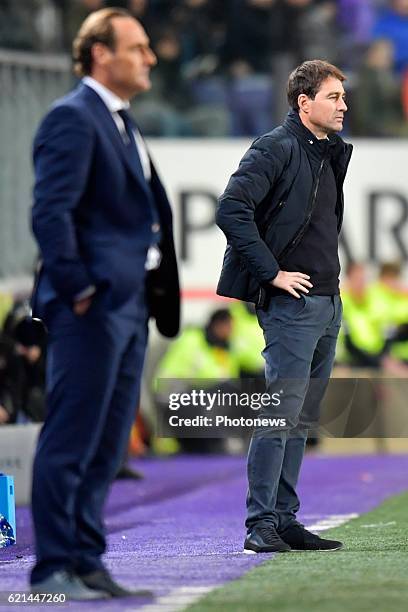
(268, 203)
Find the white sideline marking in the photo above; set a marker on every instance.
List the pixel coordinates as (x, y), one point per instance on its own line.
(182, 597)
(380, 525)
(177, 599)
(333, 520)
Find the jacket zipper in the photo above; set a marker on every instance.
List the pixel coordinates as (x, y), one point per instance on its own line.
(300, 233)
(270, 217)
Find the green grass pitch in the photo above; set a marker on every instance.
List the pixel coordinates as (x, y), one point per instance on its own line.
(369, 574)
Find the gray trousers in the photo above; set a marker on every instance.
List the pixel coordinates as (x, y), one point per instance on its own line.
(300, 336)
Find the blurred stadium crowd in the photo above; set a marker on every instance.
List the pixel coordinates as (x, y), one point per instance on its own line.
(222, 71)
(373, 341)
(223, 65)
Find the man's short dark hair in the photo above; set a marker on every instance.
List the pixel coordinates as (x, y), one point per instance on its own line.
(97, 28)
(222, 315)
(307, 79)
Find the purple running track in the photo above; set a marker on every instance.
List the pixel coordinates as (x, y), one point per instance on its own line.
(182, 526)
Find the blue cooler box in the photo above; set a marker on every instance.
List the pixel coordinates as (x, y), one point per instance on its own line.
(7, 501)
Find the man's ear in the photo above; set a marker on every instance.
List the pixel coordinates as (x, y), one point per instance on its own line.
(304, 103)
(101, 54)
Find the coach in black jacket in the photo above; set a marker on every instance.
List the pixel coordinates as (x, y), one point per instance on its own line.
(281, 212)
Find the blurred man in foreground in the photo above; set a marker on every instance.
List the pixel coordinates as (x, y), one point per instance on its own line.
(104, 228)
(281, 212)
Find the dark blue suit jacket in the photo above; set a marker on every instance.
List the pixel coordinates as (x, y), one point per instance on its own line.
(93, 213)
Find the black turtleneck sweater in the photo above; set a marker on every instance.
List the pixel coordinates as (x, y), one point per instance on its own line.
(317, 252)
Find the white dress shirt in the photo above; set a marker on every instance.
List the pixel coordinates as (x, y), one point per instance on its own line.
(115, 104)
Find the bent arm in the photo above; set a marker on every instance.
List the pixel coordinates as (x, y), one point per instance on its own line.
(248, 186)
(62, 157)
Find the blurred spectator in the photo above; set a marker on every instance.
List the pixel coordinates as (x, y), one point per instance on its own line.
(318, 28)
(17, 26)
(200, 25)
(174, 107)
(202, 355)
(393, 24)
(389, 304)
(6, 303)
(247, 341)
(258, 30)
(148, 12)
(7, 385)
(375, 317)
(261, 36)
(246, 59)
(399, 349)
(159, 111)
(390, 294)
(25, 369)
(47, 20)
(222, 65)
(249, 37)
(361, 342)
(357, 17)
(73, 13)
(169, 83)
(31, 382)
(250, 102)
(138, 8)
(377, 103)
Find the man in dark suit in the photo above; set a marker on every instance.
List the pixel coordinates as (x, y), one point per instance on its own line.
(104, 228)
